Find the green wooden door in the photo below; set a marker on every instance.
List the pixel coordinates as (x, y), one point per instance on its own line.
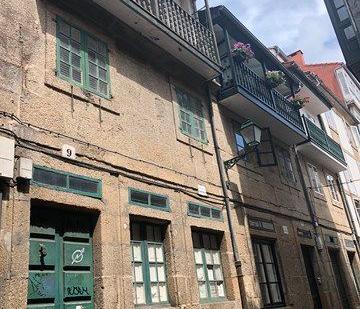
(61, 262)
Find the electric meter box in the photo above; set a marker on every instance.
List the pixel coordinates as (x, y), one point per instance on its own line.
(7, 151)
(24, 168)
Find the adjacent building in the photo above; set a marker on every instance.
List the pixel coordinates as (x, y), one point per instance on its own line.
(345, 17)
(341, 121)
(125, 179)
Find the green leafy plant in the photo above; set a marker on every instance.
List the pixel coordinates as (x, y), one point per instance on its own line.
(275, 78)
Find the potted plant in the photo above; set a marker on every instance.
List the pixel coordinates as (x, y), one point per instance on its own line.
(242, 52)
(299, 103)
(275, 78)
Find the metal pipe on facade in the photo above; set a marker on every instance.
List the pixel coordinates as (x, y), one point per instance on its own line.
(348, 214)
(309, 205)
(226, 199)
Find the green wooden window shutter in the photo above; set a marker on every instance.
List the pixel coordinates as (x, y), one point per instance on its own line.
(192, 121)
(70, 62)
(82, 59)
(97, 68)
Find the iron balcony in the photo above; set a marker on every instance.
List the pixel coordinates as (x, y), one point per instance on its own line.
(322, 148)
(248, 95)
(173, 29)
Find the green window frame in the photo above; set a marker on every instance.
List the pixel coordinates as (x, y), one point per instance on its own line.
(192, 121)
(268, 273)
(201, 211)
(148, 199)
(82, 59)
(148, 264)
(68, 182)
(208, 266)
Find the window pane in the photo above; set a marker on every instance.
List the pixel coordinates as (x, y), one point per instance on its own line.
(220, 288)
(210, 271)
(265, 294)
(349, 32)
(200, 272)
(196, 240)
(137, 252)
(218, 273)
(159, 254)
(261, 273)
(216, 258)
(150, 232)
(198, 256)
(267, 253)
(158, 201)
(64, 55)
(139, 197)
(213, 290)
(202, 290)
(155, 293)
(138, 274)
(339, 3)
(204, 211)
(75, 34)
(157, 233)
(64, 28)
(163, 292)
(271, 272)
(343, 13)
(275, 292)
(193, 209)
(140, 294)
(151, 253)
(208, 258)
(153, 275)
(161, 273)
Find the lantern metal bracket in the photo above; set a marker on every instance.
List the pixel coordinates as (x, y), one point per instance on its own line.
(244, 152)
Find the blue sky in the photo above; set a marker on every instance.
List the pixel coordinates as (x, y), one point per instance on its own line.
(290, 24)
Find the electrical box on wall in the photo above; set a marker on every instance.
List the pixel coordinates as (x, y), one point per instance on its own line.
(24, 168)
(7, 151)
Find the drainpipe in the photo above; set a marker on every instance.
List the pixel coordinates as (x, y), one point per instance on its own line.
(211, 27)
(348, 214)
(221, 167)
(314, 222)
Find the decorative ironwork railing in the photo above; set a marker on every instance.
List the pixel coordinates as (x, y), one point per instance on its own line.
(319, 137)
(258, 87)
(183, 24)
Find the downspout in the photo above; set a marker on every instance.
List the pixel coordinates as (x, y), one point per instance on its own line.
(221, 167)
(314, 221)
(348, 214)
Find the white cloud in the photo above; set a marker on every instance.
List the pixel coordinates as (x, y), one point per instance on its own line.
(290, 24)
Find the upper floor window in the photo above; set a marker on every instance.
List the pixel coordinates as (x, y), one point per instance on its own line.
(82, 59)
(268, 274)
(315, 179)
(285, 164)
(357, 207)
(148, 264)
(192, 122)
(331, 120)
(208, 265)
(239, 140)
(333, 187)
(349, 32)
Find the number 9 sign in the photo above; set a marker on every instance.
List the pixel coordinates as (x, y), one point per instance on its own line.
(68, 152)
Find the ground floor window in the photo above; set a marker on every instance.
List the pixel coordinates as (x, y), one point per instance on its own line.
(268, 274)
(208, 265)
(148, 263)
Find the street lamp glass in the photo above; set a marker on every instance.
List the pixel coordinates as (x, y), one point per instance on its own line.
(251, 133)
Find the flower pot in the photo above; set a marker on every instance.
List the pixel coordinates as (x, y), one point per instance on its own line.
(239, 58)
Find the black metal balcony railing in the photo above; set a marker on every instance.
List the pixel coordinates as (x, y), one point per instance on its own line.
(323, 140)
(258, 87)
(183, 24)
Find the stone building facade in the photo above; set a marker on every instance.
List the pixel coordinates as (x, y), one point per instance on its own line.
(126, 134)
